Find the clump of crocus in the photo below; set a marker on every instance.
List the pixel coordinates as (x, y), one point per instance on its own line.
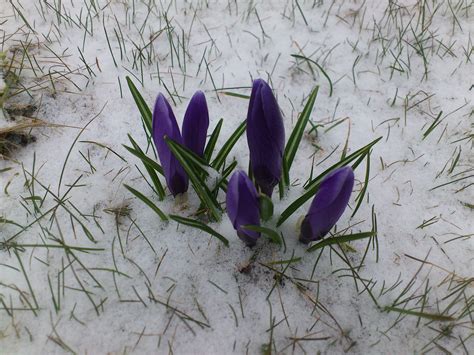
(243, 206)
(328, 204)
(265, 137)
(195, 125)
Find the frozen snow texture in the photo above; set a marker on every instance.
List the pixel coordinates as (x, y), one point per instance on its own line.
(155, 288)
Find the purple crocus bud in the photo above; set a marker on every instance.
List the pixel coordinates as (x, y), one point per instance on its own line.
(328, 204)
(242, 206)
(195, 124)
(164, 125)
(265, 137)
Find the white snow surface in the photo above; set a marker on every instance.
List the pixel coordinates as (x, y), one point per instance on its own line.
(156, 287)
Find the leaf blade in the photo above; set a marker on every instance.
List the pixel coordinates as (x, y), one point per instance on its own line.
(199, 225)
(342, 239)
(270, 233)
(227, 147)
(147, 201)
(297, 134)
(200, 187)
(141, 104)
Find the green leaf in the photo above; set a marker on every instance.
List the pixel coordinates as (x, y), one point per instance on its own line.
(431, 316)
(199, 225)
(270, 233)
(227, 147)
(319, 67)
(141, 104)
(234, 94)
(435, 124)
(313, 185)
(222, 182)
(145, 159)
(266, 207)
(361, 195)
(360, 153)
(150, 165)
(342, 239)
(193, 159)
(147, 201)
(199, 185)
(211, 144)
(296, 135)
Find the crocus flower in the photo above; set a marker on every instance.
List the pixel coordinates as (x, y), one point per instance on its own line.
(265, 137)
(196, 123)
(164, 125)
(242, 206)
(328, 204)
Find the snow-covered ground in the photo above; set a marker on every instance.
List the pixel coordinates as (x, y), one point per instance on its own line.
(401, 70)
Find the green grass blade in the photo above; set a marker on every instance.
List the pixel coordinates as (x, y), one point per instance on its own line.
(195, 160)
(141, 104)
(342, 239)
(145, 159)
(361, 195)
(199, 225)
(199, 185)
(312, 186)
(430, 316)
(147, 201)
(270, 233)
(222, 182)
(227, 147)
(435, 124)
(211, 144)
(297, 134)
(234, 94)
(150, 165)
(319, 67)
(359, 154)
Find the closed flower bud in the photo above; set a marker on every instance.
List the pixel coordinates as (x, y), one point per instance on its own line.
(265, 137)
(164, 125)
(243, 206)
(196, 123)
(328, 204)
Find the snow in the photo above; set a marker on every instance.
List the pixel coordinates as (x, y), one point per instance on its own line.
(155, 287)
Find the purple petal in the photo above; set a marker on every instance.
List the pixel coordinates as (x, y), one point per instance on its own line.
(265, 136)
(164, 125)
(328, 205)
(196, 123)
(243, 207)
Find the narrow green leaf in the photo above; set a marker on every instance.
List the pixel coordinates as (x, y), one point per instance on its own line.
(431, 316)
(227, 147)
(211, 144)
(199, 185)
(361, 195)
(141, 104)
(199, 225)
(339, 240)
(266, 207)
(193, 159)
(234, 94)
(7, 221)
(150, 165)
(145, 159)
(222, 182)
(147, 201)
(435, 124)
(313, 185)
(283, 262)
(270, 233)
(319, 67)
(294, 141)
